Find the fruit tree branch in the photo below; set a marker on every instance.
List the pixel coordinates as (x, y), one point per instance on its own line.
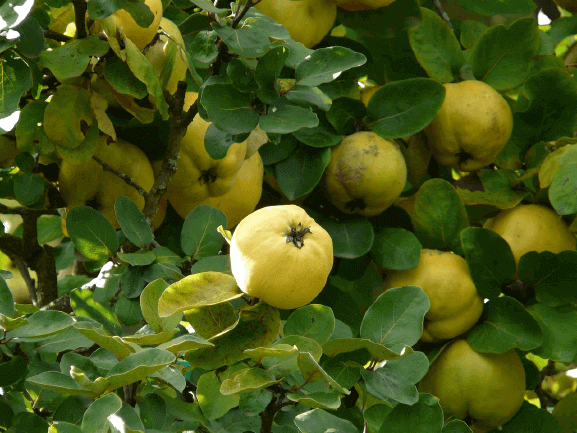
(80, 8)
(121, 175)
(442, 13)
(50, 34)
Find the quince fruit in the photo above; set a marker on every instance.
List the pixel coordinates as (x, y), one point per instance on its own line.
(281, 255)
(359, 5)
(140, 36)
(488, 387)
(8, 152)
(365, 175)
(532, 227)
(236, 203)
(367, 93)
(444, 277)
(89, 184)
(307, 21)
(198, 176)
(472, 126)
(168, 56)
(565, 411)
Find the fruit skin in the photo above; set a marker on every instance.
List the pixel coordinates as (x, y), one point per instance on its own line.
(359, 5)
(268, 265)
(236, 203)
(8, 151)
(365, 175)
(307, 21)
(532, 227)
(88, 183)
(565, 412)
(472, 126)
(198, 176)
(141, 36)
(367, 93)
(488, 387)
(167, 56)
(455, 303)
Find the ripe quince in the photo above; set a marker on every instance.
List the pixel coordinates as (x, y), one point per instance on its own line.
(365, 175)
(88, 183)
(445, 278)
(367, 93)
(307, 21)
(140, 36)
(472, 126)
(198, 176)
(532, 227)
(281, 255)
(168, 56)
(488, 387)
(236, 203)
(359, 5)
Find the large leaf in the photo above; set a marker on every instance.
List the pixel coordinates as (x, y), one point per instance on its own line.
(199, 237)
(83, 304)
(559, 339)
(211, 320)
(312, 321)
(396, 248)
(424, 416)
(317, 420)
(91, 233)
(96, 416)
(321, 66)
(42, 324)
(229, 109)
(16, 79)
(59, 382)
(132, 222)
(149, 306)
(352, 238)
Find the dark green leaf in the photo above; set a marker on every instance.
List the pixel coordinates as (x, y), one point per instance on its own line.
(283, 118)
(307, 96)
(321, 66)
(351, 238)
(498, 7)
(6, 299)
(199, 237)
(120, 77)
(31, 40)
(559, 340)
(312, 321)
(318, 137)
(92, 233)
(152, 411)
(132, 222)
(396, 248)
(13, 370)
(84, 305)
(128, 311)
(272, 153)
(317, 420)
(345, 113)
(15, 76)
(245, 41)
(267, 71)
(229, 109)
(424, 416)
(298, 174)
(28, 188)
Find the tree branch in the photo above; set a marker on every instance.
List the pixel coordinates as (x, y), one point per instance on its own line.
(50, 34)
(80, 8)
(442, 13)
(121, 175)
(59, 304)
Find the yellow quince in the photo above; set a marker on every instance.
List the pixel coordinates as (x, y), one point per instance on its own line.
(359, 5)
(89, 184)
(307, 21)
(487, 387)
(532, 227)
(365, 175)
(445, 278)
(281, 255)
(472, 126)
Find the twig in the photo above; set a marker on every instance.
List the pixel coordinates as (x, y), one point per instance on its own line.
(442, 13)
(50, 34)
(80, 8)
(22, 211)
(121, 175)
(21, 265)
(59, 304)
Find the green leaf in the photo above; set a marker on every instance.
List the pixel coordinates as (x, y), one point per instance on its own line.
(71, 59)
(346, 373)
(456, 426)
(312, 372)
(217, 142)
(213, 403)
(267, 71)
(345, 113)
(559, 341)
(423, 416)
(138, 259)
(70, 339)
(16, 79)
(248, 379)
(351, 238)
(436, 47)
(140, 12)
(272, 153)
(384, 384)
(302, 170)
(31, 40)
(118, 74)
(84, 305)
(203, 48)
(199, 237)
(312, 321)
(307, 96)
(132, 222)
(245, 41)
(501, 56)
(322, 65)
(396, 248)
(59, 382)
(497, 189)
(28, 422)
(505, 325)
(73, 104)
(115, 345)
(13, 12)
(317, 420)
(184, 343)
(278, 350)
(152, 411)
(498, 7)
(257, 326)
(13, 370)
(471, 31)
(395, 319)
(49, 228)
(128, 416)
(144, 337)
(254, 402)
(337, 346)
(284, 118)
(439, 216)
(552, 275)
(490, 260)
(132, 281)
(206, 288)
(531, 419)
(283, 365)
(318, 137)
(562, 190)
(96, 416)
(229, 109)
(28, 188)
(42, 324)
(404, 107)
(149, 306)
(91, 233)
(6, 299)
(128, 311)
(29, 129)
(211, 320)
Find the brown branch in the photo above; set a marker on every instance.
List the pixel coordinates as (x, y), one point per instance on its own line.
(23, 269)
(50, 34)
(22, 210)
(80, 8)
(442, 13)
(59, 304)
(121, 175)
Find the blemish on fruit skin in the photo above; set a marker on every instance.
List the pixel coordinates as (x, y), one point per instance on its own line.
(372, 150)
(347, 175)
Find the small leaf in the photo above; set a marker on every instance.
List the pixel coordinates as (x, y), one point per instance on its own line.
(284, 118)
(115, 345)
(283, 365)
(229, 109)
(317, 420)
(559, 341)
(96, 416)
(345, 113)
(318, 137)
(59, 382)
(132, 222)
(13, 370)
(149, 306)
(185, 343)
(138, 259)
(213, 403)
(42, 324)
(249, 379)
(199, 237)
(307, 96)
(312, 321)
(351, 238)
(6, 299)
(267, 71)
(128, 311)
(28, 188)
(16, 79)
(91, 233)
(84, 305)
(396, 248)
(321, 66)
(312, 372)
(245, 41)
(337, 346)
(298, 174)
(423, 415)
